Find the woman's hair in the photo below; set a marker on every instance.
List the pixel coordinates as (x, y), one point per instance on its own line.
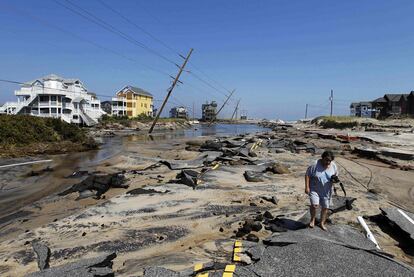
(328, 154)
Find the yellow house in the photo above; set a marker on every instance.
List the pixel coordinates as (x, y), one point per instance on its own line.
(132, 102)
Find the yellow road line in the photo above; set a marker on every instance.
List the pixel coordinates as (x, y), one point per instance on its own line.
(230, 268)
(197, 267)
(237, 250)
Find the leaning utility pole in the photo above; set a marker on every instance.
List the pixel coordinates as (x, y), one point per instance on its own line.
(169, 91)
(225, 102)
(306, 111)
(235, 110)
(193, 112)
(331, 99)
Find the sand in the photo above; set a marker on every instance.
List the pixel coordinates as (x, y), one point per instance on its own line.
(180, 226)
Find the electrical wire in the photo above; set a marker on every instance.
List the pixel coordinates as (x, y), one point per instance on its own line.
(50, 25)
(127, 19)
(110, 28)
(139, 27)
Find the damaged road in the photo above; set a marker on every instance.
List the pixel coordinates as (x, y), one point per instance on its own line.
(342, 251)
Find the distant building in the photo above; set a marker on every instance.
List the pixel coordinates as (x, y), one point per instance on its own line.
(132, 102)
(388, 105)
(354, 107)
(362, 109)
(396, 104)
(410, 103)
(179, 112)
(54, 96)
(209, 111)
(380, 107)
(106, 106)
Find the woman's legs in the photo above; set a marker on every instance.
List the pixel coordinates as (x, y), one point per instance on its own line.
(324, 216)
(313, 215)
(314, 201)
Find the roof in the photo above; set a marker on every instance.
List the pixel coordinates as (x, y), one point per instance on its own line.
(137, 90)
(71, 81)
(380, 100)
(77, 99)
(395, 97)
(354, 104)
(53, 77)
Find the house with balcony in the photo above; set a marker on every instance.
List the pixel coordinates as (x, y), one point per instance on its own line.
(208, 111)
(132, 102)
(54, 96)
(179, 112)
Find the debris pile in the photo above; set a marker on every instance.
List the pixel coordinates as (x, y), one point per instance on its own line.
(92, 267)
(97, 185)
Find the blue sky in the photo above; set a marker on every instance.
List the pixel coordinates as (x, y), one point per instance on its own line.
(278, 55)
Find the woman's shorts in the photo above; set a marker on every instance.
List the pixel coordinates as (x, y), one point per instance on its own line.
(315, 199)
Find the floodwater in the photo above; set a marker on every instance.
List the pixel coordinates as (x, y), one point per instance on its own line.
(22, 185)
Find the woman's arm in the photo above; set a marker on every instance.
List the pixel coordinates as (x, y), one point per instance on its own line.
(307, 181)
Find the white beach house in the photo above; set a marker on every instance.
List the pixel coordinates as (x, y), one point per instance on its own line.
(54, 96)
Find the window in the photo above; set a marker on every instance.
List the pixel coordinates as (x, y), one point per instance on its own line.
(44, 111)
(75, 116)
(44, 98)
(145, 105)
(53, 98)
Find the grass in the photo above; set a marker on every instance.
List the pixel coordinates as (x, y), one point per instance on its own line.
(24, 130)
(336, 122)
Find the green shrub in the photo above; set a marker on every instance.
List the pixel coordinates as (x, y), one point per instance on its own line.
(25, 129)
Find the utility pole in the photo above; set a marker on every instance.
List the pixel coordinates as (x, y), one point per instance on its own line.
(235, 110)
(193, 111)
(331, 99)
(306, 111)
(169, 91)
(225, 102)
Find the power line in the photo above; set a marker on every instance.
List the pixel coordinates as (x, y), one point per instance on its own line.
(207, 83)
(50, 25)
(139, 27)
(202, 72)
(110, 28)
(165, 45)
(201, 89)
(40, 86)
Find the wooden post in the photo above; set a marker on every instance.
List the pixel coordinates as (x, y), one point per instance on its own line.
(235, 110)
(306, 111)
(225, 102)
(331, 99)
(169, 91)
